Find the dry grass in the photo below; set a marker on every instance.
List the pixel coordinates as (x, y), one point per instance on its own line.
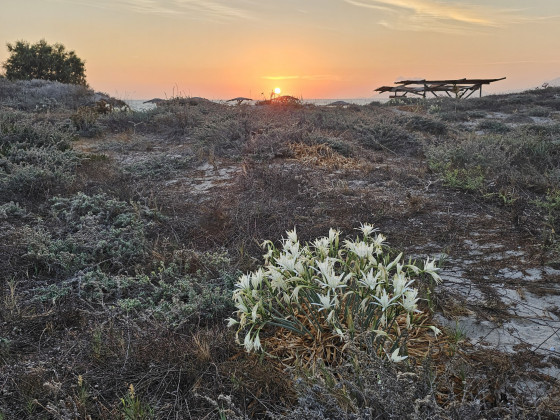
(310, 167)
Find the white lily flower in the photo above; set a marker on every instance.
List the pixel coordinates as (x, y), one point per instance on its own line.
(256, 278)
(326, 303)
(409, 300)
(292, 235)
(400, 284)
(277, 279)
(322, 246)
(435, 330)
(370, 280)
(287, 262)
(244, 282)
(326, 266)
(255, 311)
(330, 279)
(384, 300)
(248, 342)
(378, 242)
(232, 322)
(367, 229)
(333, 235)
(292, 248)
(361, 249)
(396, 358)
(257, 342)
(431, 269)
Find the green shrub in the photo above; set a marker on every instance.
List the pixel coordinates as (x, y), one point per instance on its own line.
(44, 61)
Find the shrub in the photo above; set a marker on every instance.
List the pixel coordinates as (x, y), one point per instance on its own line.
(44, 95)
(493, 126)
(386, 136)
(44, 61)
(427, 125)
(93, 231)
(325, 294)
(338, 145)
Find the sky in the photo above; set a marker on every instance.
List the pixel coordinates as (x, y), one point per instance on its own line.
(219, 49)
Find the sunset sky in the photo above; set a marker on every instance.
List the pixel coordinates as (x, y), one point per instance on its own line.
(310, 48)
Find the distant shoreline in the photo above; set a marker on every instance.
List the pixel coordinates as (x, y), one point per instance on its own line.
(139, 105)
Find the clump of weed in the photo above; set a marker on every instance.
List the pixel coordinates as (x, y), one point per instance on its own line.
(339, 145)
(493, 126)
(387, 136)
(89, 231)
(426, 125)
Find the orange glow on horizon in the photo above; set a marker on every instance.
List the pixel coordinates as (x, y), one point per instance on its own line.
(337, 50)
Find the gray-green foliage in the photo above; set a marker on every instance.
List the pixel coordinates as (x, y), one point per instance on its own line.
(35, 157)
(11, 209)
(388, 135)
(89, 231)
(170, 293)
(160, 166)
(43, 95)
(520, 158)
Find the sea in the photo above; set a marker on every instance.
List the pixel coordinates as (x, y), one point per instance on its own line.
(141, 105)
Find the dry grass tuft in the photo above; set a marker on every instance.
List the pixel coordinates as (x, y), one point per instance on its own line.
(322, 155)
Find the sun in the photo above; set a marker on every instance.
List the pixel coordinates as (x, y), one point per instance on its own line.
(277, 91)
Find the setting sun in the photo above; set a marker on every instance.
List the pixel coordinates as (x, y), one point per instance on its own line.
(277, 91)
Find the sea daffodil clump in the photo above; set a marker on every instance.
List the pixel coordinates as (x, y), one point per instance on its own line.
(330, 288)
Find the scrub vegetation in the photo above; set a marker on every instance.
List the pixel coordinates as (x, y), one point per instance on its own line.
(202, 260)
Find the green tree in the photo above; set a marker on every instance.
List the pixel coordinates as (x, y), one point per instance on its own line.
(44, 61)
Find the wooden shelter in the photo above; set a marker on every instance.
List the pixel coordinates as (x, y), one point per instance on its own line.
(461, 88)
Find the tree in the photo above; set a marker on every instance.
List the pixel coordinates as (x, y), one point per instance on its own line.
(44, 61)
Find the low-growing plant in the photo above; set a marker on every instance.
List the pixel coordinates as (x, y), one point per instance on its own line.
(85, 121)
(133, 408)
(93, 231)
(12, 209)
(324, 295)
(492, 126)
(389, 136)
(426, 125)
(471, 179)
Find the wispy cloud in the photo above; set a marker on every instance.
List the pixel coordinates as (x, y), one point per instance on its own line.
(439, 16)
(304, 77)
(217, 10)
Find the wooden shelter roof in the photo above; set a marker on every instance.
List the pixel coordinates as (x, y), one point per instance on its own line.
(420, 87)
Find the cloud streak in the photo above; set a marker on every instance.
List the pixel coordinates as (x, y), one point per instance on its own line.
(215, 10)
(438, 16)
(304, 77)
